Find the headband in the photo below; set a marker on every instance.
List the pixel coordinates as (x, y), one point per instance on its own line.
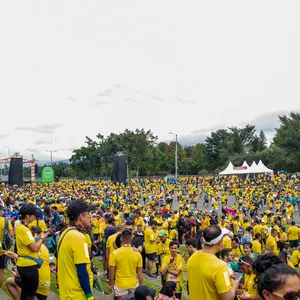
(214, 241)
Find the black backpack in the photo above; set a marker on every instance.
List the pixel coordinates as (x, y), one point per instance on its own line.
(7, 240)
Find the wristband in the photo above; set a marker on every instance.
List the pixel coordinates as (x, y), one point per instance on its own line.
(90, 296)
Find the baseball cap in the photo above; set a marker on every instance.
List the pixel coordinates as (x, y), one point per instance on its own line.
(77, 207)
(142, 291)
(240, 231)
(162, 233)
(29, 209)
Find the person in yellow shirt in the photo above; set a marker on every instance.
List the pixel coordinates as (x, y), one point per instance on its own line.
(237, 249)
(256, 244)
(294, 235)
(125, 265)
(73, 261)
(27, 248)
(3, 222)
(38, 223)
(95, 227)
(110, 243)
(138, 220)
(227, 240)
(205, 222)
(162, 248)
(44, 271)
(257, 228)
(249, 286)
(172, 268)
(165, 224)
(14, 283)
(271, 243)
(295, 258)
(212, 280)
(173, 236)
(150, 236)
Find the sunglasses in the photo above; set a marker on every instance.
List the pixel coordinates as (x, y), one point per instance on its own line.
(240, 261)
(289, 295)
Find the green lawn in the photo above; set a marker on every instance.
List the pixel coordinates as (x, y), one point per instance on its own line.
(99, 265)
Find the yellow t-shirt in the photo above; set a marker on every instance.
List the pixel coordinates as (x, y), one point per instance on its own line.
(95, 226)
(293, 232)
(23, 239)
(237, 252)
(110, 242)
(256, 247)
(150, 237)
(257, 229)
(178, 265)
(250, 284)
(226, 242)
(126, 261)
(163, 249)
(139, 221)
(271, 242)
(173, 234)
(295, 258)
(39, 223)
(208, 281)
(44, 272)
(73, 250)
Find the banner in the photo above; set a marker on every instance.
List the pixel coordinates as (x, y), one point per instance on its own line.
(240, 168)
(47, 174)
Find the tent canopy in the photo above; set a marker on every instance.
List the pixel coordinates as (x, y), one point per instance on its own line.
(259, 168)
(228, 170)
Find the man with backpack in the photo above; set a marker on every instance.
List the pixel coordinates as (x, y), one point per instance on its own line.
(74, 274)
(6, 233)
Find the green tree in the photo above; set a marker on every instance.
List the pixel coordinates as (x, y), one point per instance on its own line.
(287, 139)
(216, 151)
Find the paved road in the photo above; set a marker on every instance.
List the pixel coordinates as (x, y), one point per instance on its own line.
(230, 203)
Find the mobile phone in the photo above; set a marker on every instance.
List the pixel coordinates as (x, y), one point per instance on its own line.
(238, 276)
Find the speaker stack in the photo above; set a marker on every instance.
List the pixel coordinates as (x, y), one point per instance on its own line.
(119, 172)
(15, 175)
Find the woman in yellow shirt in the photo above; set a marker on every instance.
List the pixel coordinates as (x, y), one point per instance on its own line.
(249, 286)
(28, 249)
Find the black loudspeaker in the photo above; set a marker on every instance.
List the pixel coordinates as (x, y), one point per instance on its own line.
(16, 171)
(36, 168)
(119, 172)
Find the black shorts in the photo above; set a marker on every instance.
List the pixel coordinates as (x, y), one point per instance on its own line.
(18, 281)
(2, 262)
(151, 256)
(294, 243)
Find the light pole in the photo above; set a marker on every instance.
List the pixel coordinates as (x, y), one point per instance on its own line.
(51, 151)
(176, 156)
(8, 151)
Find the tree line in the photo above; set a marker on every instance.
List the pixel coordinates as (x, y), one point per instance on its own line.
(147, 157)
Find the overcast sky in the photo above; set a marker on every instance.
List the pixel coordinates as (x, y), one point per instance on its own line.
(70, 69)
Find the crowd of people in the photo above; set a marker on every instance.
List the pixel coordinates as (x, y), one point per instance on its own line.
(195, 237)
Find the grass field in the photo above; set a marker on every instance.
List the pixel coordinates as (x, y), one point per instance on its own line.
(99, 265)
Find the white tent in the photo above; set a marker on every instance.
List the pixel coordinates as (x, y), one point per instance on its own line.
(264, 168)
(228, 170)
(259, 168)
(254, 168)
(244, 169)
